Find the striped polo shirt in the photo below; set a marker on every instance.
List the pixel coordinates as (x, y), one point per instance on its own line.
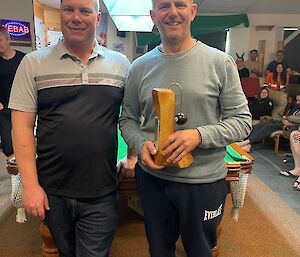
(77, 106)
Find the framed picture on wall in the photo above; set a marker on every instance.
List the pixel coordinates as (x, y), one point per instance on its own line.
(119, 47)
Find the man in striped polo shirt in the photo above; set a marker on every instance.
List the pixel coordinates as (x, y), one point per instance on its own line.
(75, 90)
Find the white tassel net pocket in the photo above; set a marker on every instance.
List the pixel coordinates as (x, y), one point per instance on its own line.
(16, 197)
(238, 193)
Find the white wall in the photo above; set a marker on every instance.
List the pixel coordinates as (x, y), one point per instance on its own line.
(129, 40)
(244, 39)
(19, 10)
(238, 41)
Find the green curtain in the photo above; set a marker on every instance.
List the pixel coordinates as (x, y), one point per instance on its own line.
(122, 147)
(200, 25)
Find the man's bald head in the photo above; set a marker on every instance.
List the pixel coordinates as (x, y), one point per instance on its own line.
(153, 3)
(96, 4)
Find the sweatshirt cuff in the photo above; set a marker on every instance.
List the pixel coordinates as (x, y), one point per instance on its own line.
(201, 133)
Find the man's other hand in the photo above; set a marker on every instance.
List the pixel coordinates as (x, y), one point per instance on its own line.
(35, 201)
(126, 165)
(147, 152)
(180, 143)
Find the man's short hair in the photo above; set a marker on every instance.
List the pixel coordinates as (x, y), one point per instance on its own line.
(279, 52)
(96, 3)
(4, 32)
(254, 50)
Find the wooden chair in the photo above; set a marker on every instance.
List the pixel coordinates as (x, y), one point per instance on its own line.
(277, 136)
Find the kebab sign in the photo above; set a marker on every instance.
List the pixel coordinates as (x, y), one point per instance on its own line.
(19, 32)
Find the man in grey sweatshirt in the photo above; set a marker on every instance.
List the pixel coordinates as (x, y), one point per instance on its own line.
(187, 202)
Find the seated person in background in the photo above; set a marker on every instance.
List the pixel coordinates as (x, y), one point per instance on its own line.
(253, 65)
(262, 105)
(278, 80)
(265, 129)
(243, 71)
(278, 60)
(295, 147)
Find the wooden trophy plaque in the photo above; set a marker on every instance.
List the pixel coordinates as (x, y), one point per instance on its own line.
(164, 105)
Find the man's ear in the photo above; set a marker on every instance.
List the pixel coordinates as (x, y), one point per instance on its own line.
(194, 11)
(152, 15)
(98, 18)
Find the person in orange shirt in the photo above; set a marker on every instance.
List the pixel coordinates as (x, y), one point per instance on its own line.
(278, 80)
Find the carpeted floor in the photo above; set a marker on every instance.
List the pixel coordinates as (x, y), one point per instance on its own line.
(19, 240)
(255, 235)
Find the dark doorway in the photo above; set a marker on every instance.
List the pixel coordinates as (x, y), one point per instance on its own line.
(216, 39)
(292, 53)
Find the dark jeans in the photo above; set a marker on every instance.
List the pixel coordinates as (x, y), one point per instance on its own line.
(5, 132)
(264, 129)
(193, 211)
(83, 227)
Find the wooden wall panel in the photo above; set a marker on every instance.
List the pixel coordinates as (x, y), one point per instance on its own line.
(38, 9)
(52, 19)
(279, 45)
(262, 52)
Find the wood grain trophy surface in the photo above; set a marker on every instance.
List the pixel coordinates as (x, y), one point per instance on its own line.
(164, 105)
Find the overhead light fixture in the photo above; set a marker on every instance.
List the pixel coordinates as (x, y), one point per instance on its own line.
(291, 29)
(130, 15)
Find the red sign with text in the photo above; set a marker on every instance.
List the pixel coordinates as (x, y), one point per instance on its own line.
(19, 31)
